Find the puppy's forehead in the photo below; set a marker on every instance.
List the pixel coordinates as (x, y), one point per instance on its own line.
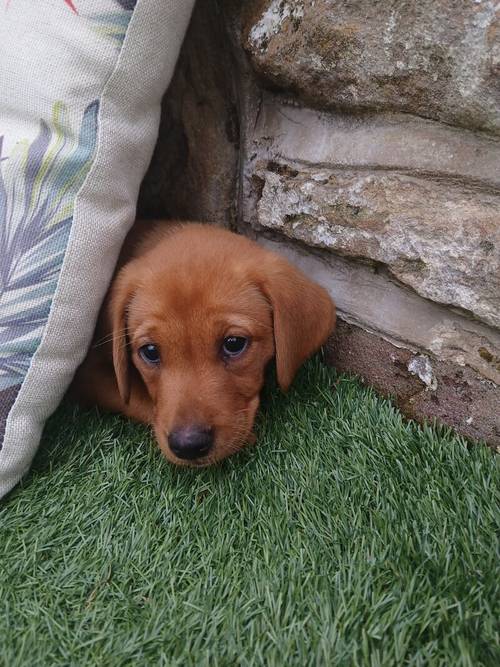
(213, 292)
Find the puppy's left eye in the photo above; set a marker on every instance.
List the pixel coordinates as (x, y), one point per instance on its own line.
(150, 354)
(233, 346)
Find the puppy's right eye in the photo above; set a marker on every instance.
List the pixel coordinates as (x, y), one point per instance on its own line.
(150, 354)
(233, 346)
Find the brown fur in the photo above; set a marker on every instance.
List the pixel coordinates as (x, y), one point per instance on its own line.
(185, 288)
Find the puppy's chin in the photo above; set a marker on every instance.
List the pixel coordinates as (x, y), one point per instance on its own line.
(220, 451)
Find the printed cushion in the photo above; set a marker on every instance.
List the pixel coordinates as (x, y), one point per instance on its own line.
(80, 88)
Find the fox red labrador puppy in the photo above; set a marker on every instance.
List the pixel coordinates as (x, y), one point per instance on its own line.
(193, 316)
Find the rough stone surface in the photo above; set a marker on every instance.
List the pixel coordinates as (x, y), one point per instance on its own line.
(437, 59)
(414, 196)
(440, 239)
(421, 366)
(193, 173)
(374, 141)
(459, 397)
(366, 298)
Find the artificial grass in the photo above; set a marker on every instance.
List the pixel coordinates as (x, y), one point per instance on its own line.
(346, 537)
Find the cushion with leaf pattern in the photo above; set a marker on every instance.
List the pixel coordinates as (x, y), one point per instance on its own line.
(81, 83)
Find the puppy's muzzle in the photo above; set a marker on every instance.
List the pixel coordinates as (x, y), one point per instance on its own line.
(191, 442)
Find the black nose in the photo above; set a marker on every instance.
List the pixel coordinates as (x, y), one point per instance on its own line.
(191, 442)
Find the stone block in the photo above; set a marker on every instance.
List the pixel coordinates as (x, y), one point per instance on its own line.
(440, 239)
(437, 59)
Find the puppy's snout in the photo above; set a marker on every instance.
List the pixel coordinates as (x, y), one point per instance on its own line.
(191, 442)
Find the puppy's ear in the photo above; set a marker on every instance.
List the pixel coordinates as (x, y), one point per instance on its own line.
(303, 316)
(121, 295)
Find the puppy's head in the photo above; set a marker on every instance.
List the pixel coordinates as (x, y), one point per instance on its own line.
(203, 311)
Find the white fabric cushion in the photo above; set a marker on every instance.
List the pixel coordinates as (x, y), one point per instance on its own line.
(81, 83)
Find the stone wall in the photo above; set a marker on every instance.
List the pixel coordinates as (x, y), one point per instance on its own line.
(361, 138)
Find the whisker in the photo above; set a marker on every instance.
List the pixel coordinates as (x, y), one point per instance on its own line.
(121, 333)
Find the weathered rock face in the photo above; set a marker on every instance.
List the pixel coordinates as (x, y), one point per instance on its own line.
(438, 59)
(360, 138)
(365, 297)
(430, 214)
(439, 239)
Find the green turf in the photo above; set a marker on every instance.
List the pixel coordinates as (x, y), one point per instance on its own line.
(346, 537)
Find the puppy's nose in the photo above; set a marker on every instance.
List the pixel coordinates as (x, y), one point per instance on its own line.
(191, 442)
